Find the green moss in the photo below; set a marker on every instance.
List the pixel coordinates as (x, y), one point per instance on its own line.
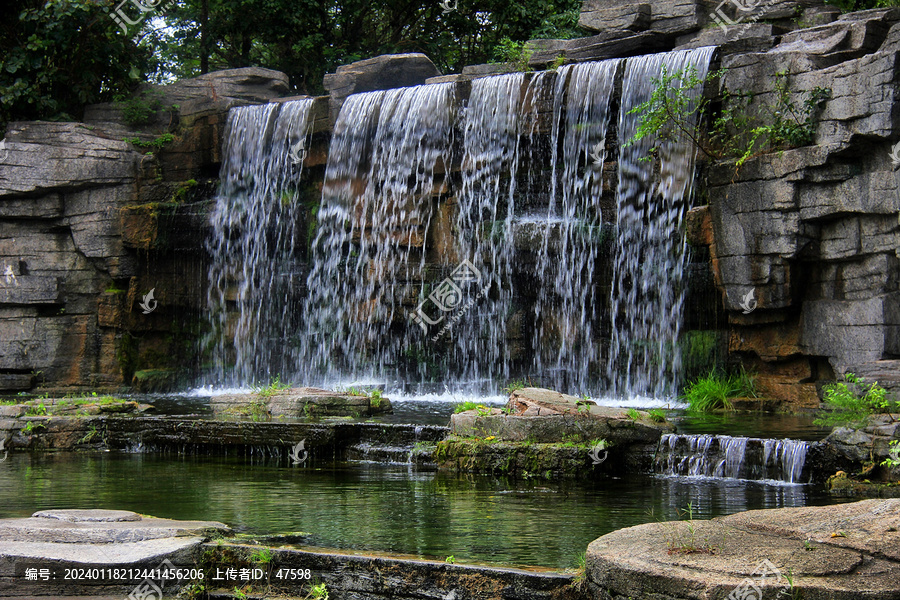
(184, 191)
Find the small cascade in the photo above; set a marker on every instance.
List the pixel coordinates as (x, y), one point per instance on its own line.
(724, 456)
(649, 267)
(253, 241)
(565, 310)
(396, 444)
(491, 136)
(368, 258)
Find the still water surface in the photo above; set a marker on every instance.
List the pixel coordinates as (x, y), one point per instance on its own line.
(359, 506)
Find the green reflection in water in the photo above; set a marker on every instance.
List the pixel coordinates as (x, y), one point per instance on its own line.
(377, 507)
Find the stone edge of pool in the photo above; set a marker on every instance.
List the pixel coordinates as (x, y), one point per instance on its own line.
(814, 553)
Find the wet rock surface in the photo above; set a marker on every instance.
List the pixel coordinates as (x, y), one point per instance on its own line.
(836, 552)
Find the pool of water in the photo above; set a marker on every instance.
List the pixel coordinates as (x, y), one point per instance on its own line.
(359, 506)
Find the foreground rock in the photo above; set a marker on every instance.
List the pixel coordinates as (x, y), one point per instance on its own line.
(63, 540)
(545, 433)
(300, 402)
(835, 552)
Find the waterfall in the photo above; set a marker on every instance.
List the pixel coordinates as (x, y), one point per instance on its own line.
(565, 310)
(648, 270)
(485, 209)
(374, 294)
(368, 258)
(253, 241)
(732, 457)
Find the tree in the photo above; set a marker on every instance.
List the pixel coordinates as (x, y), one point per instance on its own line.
(58, 55)
(307, 38)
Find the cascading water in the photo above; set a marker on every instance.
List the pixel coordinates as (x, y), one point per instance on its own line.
(390, 157)
(732, 457)
(368, 254)
(485, 209)
(565, 309)
(253, 242)
(648, 272)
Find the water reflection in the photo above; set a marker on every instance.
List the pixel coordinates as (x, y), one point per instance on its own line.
(376, 507)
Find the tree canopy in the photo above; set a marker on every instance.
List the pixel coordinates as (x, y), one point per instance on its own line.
(58, 55)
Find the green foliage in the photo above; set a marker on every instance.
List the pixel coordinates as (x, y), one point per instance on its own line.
(89, 436)
(847, 406)
(515, 53)
(56, 56)
(40, 409)
(580, 579)
(677, 106)
(318, 592)
(854, 5)
(657, 415)
(262, 556)
(716, 389)
(156, 143)
(672, 112)
(688, 542)
(894, 459)
(791, 126)
(273, 388)
(464, 406)
(30, 426)
(450, 560)
(482, 410)
(141, 108)
(184, 191)
(325, 35)
(633, 414)
(701, 353)
(518, 384)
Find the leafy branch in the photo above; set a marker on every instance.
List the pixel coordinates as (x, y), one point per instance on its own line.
(677, 109)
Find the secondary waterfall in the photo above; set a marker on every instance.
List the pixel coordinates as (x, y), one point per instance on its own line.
(648, 272)
(254, 222)
(368, 257)
(565, 311)
(733, 457)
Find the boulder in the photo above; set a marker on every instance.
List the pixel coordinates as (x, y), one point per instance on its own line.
(609, 44)
(604, 15)
(868, 443)
(843, 552)
(547, 416)
(533, 402)
(383, 72)
(668, 16)
(734, 39)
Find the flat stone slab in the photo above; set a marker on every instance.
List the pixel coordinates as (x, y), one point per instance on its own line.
(95, 554)
(99, 527)
(59, 540)
(299, 402)
(74, 515)
(848, 551)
